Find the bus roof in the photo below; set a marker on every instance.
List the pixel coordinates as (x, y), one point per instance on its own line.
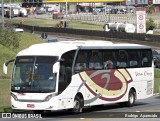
(58, 48)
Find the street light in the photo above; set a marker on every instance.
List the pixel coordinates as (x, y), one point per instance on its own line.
(66, 7)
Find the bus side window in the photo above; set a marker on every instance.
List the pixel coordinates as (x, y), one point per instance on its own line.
(133, 58)
(146, 58)
(81, 62)
(122, 59)
(108, 59)
(95, 59)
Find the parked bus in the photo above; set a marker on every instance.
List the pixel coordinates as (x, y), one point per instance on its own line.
(76, 74)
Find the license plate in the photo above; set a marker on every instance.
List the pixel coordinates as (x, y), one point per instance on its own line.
(30, 105)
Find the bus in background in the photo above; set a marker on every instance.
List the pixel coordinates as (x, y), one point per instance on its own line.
(75, 74)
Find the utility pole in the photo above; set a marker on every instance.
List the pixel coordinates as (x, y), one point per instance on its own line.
(128, 11)
(66, 7)
(10, 13)
(2, 8)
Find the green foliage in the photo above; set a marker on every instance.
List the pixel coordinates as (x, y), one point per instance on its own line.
(52, 23)
(157, 81)
(9, 38)
(6, 53)
(13, 1)
(150, 24)
(4, 95)
(150, 9)
(26, 40)
(157, 85)
(157, 73)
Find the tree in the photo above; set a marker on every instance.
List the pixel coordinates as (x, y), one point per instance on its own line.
(13, 1)
(150, 9)
(150, 24)
(9, 38)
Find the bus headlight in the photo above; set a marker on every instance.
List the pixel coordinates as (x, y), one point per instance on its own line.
(48, 97)
(14, 97)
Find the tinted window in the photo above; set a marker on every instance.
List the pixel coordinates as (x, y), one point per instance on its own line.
(81, 63)
(122, 58)
(108, 59)
(65, 70)
(134, 58)
(146, 58)
(34, 74)
(95, 59)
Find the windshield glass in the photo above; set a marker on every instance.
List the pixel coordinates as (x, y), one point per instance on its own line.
(34, 74)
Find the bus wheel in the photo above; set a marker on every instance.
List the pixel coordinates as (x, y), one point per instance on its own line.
(77, 105)
(131, 98)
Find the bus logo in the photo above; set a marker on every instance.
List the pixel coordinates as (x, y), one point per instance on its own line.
(108, 85)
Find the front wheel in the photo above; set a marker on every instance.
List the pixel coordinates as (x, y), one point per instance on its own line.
(131, 98)
(77, 105)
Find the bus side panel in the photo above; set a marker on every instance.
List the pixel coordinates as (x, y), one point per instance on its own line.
(143, 81)
(106, 86)
(66, 98)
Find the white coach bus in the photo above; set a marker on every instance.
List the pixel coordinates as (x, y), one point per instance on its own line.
(75, 74)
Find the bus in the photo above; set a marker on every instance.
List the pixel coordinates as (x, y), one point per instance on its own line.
(75, 74)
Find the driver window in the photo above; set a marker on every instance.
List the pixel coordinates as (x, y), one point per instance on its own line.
(65, 72)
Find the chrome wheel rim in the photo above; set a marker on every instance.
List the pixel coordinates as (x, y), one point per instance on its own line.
(76, 105)
(131, 99)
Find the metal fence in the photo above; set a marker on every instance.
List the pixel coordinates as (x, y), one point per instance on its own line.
(104, 18)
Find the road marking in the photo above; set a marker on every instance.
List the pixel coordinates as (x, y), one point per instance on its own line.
(82, 118)
(138, 111)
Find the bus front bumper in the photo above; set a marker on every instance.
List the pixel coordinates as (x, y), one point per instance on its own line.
(49, 105)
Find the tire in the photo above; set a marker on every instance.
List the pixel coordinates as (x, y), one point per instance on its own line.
(77, 105)
(22, 15)
(131, 99)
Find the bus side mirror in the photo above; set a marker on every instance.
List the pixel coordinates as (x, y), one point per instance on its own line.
(6, 64)
(4, 68)
(55, 67)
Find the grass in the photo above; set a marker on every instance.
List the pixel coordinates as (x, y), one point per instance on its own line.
(26, 39)
(157, 85)
(35, 21)
(156, 32)
(85, 25)
(52, 23)
(4, 95)
(157, 81)
(5, 54)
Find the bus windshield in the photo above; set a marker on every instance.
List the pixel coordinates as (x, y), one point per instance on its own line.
(34, 74)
